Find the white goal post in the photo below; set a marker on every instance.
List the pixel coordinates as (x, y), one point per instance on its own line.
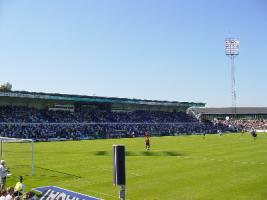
(4, 140)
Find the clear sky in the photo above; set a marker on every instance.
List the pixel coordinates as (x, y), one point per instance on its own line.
(148, 49)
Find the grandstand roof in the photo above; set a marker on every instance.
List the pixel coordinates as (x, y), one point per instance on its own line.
(229, 110)
(94, 99)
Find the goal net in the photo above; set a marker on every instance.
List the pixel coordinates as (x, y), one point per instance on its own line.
(18, 155)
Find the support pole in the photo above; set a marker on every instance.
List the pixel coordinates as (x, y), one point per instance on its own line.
(232, 50)
(122, 193)
(32, 157)
(1, 150)
(233, 86)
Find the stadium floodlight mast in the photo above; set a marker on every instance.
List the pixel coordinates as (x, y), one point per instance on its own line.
(232, 50)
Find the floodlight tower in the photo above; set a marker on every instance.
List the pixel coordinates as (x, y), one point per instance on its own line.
(232, 50)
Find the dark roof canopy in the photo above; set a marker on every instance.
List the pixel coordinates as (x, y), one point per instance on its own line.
(95, 99)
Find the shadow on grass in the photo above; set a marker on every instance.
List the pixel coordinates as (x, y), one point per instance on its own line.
(131, 153)
(162, 153)
(143, 153)
(173, 153)
(101, 153)
(56, 173)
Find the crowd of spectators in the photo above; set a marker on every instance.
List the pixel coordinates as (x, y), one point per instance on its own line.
(17, 193)
(91, 131)
(20, 114)
(44, 124)
(244, 124)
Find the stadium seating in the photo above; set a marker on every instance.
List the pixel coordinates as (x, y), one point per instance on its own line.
(24, 122)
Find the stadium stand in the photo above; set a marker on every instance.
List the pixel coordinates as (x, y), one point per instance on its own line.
(23, 122)
(20, 114)
(44, 116)
(244, 119)
(245, 124)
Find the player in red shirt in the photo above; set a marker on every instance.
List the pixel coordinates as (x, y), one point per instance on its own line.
(147, 142)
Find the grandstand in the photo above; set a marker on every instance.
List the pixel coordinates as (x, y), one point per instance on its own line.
(244, 119)
(49, 117)
(43, 116)
(222, 113)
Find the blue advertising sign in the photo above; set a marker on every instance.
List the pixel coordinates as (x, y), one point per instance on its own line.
(57, 193)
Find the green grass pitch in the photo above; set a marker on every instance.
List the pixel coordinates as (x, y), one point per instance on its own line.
(228, 167)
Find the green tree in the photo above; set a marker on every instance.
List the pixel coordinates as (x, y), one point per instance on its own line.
(6, 87)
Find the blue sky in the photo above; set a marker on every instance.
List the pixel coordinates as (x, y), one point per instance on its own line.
(148, 49)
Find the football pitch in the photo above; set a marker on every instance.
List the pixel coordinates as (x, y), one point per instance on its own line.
(231, 166)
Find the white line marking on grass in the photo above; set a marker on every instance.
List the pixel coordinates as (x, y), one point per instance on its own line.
(136, 174)
(133, 172)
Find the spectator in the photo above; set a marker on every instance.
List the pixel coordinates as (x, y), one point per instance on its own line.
(10, 192)
(3, 194)
(30, 196)
(19, 187)
(3, 175)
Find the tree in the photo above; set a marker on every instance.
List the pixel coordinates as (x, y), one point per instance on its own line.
(6, 87)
